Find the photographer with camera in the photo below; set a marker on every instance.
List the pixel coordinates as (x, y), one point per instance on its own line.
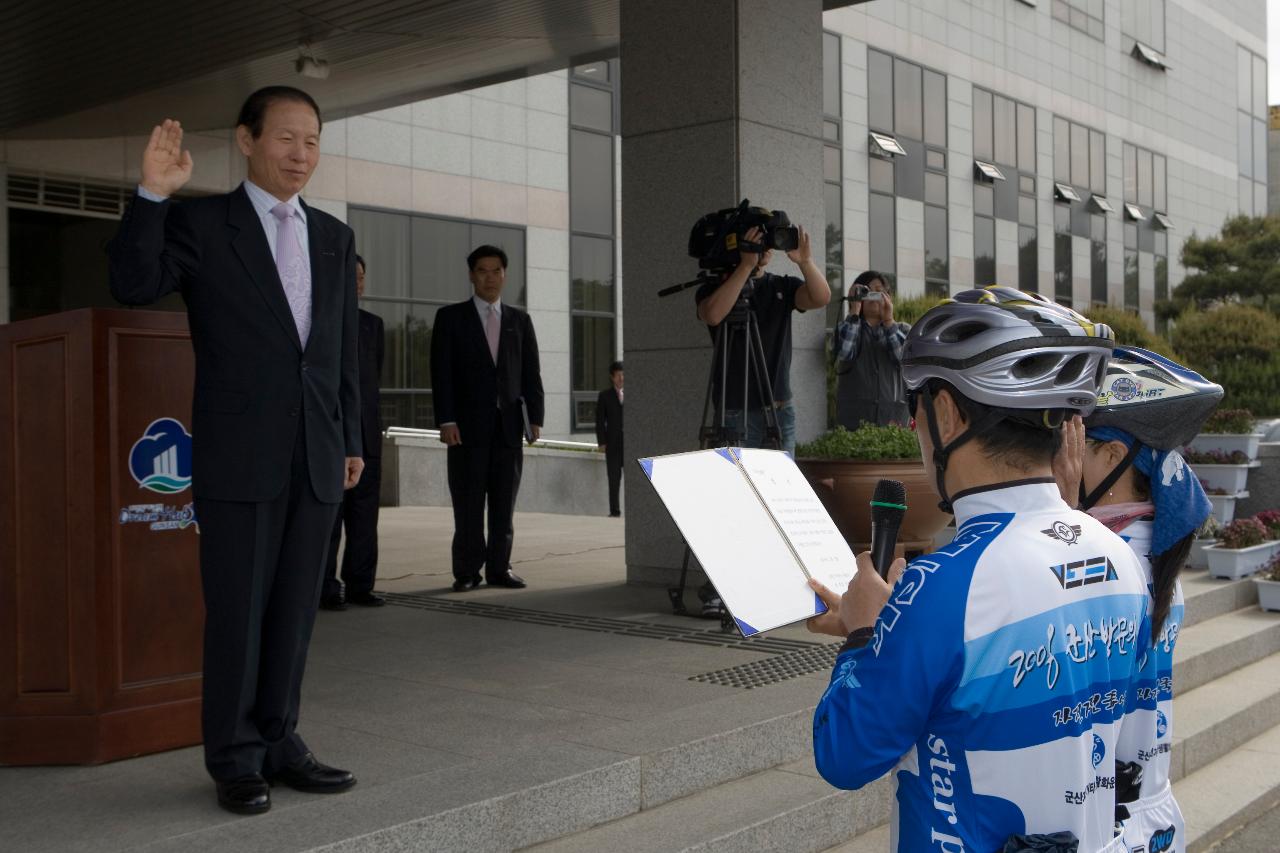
(771, 298)
(868, 356)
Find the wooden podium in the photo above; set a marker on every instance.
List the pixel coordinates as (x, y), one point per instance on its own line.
(101, 614)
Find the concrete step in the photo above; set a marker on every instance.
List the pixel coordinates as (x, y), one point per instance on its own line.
(1217, 646)
(1230, 792)
(788, 810)
(1220, 716)
(1207, 597)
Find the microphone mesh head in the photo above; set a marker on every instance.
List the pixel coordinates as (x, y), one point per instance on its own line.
(890, 492)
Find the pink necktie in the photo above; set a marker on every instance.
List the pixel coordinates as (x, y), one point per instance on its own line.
(294, 275)
(491, 332)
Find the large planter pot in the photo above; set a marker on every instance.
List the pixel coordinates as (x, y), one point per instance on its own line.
(1224, 506)
(845, 487)
(1227, 443)
(1268, 594)
(1233, 478)
(1196, 557)
(1238, 562)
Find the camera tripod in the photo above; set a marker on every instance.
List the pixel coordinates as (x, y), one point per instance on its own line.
(738, 329)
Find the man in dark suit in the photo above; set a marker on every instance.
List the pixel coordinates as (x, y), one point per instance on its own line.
(269, 284)
(359, 512)
(484, 381)
(609, 434)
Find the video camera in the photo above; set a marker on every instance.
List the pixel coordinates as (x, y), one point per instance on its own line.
(717, 239)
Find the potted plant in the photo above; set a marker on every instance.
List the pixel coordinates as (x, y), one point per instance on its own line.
(1209, 533)
(1223, 502)
(1229, 430)
(1219, 469)
(1268, 583)
(844, 466)
(1243, 550)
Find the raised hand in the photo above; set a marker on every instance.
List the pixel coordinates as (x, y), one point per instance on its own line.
(804, 251)
(166, 167)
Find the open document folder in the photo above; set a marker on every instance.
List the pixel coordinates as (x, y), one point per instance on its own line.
(759, 531)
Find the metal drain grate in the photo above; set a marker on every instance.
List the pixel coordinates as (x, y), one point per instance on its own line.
(762, 673)
(599, 624)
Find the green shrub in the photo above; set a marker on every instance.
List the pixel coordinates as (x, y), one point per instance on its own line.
(1230, 422)
(868, 442)
(909, 309)
(1131, 331)
(1235, 346)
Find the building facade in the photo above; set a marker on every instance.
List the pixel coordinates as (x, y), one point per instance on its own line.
(1067, 146)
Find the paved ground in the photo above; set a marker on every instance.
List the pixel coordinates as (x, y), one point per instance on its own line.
(424, 703)
(1261, 836)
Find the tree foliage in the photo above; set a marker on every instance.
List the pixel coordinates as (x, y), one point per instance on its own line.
(1130, 331)
(1235, 346)
(1242, 264)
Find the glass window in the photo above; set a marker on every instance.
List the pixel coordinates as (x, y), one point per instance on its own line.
(393, 325)
(831, 88)
(1098, 258)
(1097, 162)
(909, 171)
(439, 250)
(1260, 199)
(511, 241)
(591, 263)
(984, 251)
(984, 200)
(1157, 24)
(831, 163)
(935, 108)
(591, 182)
(383, 240)
(1026, 210)
(908, 100)
(1061, 150)
(1161, 200)
(1244, 80)
(591, 107)
(1130, 174)
(419, 320)
(1062, 253)
(1026, 138)
(879, 91)
(1162, 243)
(592, 349)
(935, 160)
(1131, 235)
(935, 188)
(1259, 149)
(1259, 86)
(883, 252)
(1079, 155)
(1144, 177)
(1028, 259)
(598, 71)
(880, 174)
(1244, 194)
(1006, 131)
(1027, 184)
(1131, 280)
(833, 204)
(983, 145)
(1244, 143)
(935, 244)
(831, 131)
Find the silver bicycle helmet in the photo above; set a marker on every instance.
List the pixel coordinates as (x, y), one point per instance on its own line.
(1004, 348)
(1159, 402)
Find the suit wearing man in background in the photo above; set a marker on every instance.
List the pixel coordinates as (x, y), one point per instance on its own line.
(484, 368)
(269, 284)
(359, 512)
(609, 434)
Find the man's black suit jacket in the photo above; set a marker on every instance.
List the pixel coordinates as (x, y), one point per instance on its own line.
(253, 378)
(469, 390)
(372, 349)
(608, 418)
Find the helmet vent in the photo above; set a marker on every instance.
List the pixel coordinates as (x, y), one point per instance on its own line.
(963, 331)
(1071, 371)
(1035, 366)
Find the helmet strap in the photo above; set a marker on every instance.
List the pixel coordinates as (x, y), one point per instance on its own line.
(941, 454)
(1087, 501)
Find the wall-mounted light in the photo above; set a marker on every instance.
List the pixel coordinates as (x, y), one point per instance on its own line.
(308, 66)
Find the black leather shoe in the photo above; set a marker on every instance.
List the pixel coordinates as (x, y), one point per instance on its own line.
(615, 515)
(311, 776)
(366, 599)
(246, 795)
(332, 602)
(466, 584)
(510, 580)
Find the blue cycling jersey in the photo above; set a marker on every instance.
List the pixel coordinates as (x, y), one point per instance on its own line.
(996, 680)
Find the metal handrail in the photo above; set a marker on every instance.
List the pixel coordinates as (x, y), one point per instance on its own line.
(550, 443)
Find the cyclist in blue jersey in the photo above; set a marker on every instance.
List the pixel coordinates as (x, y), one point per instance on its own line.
(994, 676)
(1136, 483)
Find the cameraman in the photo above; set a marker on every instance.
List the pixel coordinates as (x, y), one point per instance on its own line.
(772, 299)
(868, 354)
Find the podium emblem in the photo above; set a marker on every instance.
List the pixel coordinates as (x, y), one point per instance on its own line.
(161, 459)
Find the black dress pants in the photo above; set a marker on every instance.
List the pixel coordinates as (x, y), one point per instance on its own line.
(479, 474)
(359, 515)
(613, 463)
(261, 564)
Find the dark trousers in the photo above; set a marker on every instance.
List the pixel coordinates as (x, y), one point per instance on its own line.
(480, 473)
(261, 564)
(613, 463)
(359, 515)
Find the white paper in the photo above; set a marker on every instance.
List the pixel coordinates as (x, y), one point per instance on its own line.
(737, 542)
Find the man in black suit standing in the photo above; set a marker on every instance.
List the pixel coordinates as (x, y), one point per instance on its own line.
(485, 380)
(609, 434)
(269, 284)
(359, 512)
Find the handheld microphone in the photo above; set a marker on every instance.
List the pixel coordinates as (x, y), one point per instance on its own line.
(888, 505)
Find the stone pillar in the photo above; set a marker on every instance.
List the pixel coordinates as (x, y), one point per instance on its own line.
(721, 100)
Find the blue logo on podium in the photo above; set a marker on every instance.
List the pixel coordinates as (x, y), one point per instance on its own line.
(161, 459)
